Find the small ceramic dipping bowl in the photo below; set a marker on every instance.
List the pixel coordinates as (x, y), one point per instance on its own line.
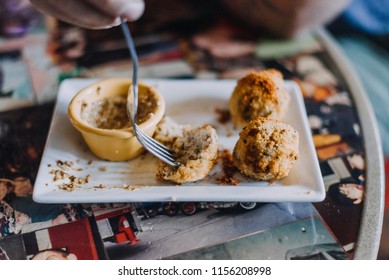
(99, 113)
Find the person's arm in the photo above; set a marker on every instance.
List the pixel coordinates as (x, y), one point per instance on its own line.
(285, 18)
(93, 14)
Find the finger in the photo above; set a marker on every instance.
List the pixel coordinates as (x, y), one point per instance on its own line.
(130, 10)
(76, 12)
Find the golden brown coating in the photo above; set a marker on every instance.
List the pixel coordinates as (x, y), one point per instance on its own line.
(259, 94)
(196, 150)
(267, 149)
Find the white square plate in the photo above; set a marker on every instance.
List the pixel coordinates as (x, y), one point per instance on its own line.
(191, 102)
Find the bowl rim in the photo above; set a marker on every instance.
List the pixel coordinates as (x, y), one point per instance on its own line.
(84, 127)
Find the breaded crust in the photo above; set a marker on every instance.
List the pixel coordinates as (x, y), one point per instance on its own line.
(267, 149)
(196, 150)
(259, 94)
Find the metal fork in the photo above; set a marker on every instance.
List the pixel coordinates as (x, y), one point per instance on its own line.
(150, 144)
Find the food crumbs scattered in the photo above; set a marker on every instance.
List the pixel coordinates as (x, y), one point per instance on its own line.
(103, 168)
(224, 115)
(229, 169)
(131, 188)
(70, 182)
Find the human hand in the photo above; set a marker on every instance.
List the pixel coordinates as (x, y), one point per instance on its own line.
(92, 14)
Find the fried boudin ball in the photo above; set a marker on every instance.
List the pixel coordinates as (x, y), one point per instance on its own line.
(267, 149)
(196, 150)
(259, 94)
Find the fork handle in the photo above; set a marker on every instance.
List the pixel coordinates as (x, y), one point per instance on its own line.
(134, 58)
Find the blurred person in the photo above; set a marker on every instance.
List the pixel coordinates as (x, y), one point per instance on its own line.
(281, 18)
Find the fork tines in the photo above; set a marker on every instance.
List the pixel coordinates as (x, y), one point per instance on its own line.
(156, 148)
